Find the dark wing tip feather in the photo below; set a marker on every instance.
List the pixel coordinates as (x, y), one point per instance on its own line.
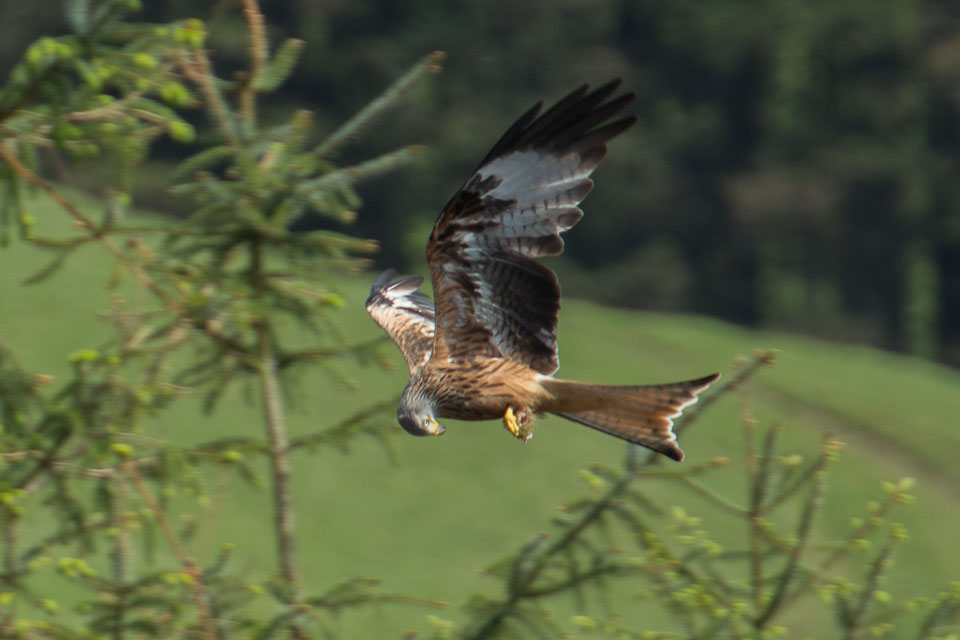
(566, 126)
(383, 280)
(671, 450)
(507, 140)
(598, 138)
(700, 384)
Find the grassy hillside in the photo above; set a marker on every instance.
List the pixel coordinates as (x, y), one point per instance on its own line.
(427, 517)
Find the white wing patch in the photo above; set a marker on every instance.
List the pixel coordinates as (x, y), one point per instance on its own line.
(545, 190)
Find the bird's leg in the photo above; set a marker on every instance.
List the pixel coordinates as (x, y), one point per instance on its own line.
(519, 423)
(510, 422)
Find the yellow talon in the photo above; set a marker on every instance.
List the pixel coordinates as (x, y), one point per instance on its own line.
(510, 422)
(516, 425)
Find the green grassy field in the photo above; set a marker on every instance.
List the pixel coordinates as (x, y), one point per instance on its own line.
(428, 518)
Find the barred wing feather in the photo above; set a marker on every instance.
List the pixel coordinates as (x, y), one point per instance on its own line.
(493, 298)
(405, 314)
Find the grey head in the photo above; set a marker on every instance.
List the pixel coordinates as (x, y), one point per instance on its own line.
(416, 412)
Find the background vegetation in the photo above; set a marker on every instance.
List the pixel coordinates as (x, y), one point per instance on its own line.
(795, 166)
(129, 510)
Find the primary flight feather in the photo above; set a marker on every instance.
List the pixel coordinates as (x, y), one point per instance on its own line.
(487, 348)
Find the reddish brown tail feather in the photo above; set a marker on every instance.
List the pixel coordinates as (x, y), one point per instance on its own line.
(642, 415)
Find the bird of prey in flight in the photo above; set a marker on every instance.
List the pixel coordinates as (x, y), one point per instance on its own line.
(486, 348)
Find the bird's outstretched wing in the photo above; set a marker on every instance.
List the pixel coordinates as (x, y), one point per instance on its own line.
(405, 314)
(493, 298)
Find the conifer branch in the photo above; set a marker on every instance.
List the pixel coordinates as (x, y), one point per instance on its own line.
(785, 580)
(198, 70)
(531, 563)
(201, 596)
(258, 58)
(347, 131)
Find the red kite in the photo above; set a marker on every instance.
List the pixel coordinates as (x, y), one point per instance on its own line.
(488, 349)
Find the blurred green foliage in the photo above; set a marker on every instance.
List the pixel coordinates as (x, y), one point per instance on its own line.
(220, 286)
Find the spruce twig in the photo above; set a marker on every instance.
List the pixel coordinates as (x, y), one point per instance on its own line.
(201, 595)
(431, 63)
(532, 562)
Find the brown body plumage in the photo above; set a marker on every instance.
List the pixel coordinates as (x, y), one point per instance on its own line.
(488, 349)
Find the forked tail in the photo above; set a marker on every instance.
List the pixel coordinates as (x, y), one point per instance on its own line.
(642, 415)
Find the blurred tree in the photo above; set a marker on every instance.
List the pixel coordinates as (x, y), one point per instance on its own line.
(215, 295)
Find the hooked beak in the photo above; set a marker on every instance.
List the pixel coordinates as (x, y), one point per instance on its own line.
(435, 428)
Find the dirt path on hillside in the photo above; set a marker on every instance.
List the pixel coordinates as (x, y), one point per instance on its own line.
(861, 436)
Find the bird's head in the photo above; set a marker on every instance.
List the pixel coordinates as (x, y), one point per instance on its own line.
(416, 413)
